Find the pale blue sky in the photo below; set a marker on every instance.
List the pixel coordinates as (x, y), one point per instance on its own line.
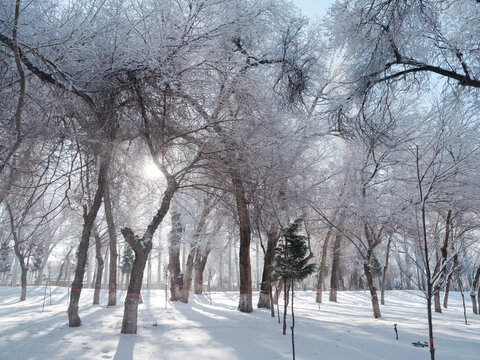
(313, 8)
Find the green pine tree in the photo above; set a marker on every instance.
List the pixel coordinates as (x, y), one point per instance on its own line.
(128, 257)
(291, 265)
(37, 259)
(5, 257)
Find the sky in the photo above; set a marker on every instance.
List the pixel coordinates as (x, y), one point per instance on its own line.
(314, 8)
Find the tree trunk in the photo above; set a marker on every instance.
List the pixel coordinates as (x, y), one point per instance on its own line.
(199, 269)
(176, 277)
(112, 278)
(187, 278)
(23, 294)
(428, 274)
(141, 249)
(195, 256)
(65, 262)
(100, 265)
(285, 305)
(385, 268)
(230, 272)
(373, 290)
(476, 279)
(460, 287)
(278, 292)
(445, 296)
(20, 256)
(436, 300)
(335, 267)
(323, 265)
(60, 273)
(441, 265)
(269, 258)
(293, 326)
(245, 301)
(89, 219)
(41, 270)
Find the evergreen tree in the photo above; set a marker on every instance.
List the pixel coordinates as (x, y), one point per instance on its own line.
(5, 257)
(37, 259)
(128, 257)
(291, 265)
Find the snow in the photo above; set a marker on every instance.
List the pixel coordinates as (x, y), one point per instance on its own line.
(210, 327)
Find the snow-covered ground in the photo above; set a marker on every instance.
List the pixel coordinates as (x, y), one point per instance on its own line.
(210, 327)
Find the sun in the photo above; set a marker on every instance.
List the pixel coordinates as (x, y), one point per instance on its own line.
(151, 171)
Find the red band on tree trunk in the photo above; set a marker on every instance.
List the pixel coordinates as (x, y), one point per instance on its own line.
(245, 291)
(133, 294)
(431, 341)
(76, 289)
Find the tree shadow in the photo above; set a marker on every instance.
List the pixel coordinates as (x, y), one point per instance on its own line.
(125, 347)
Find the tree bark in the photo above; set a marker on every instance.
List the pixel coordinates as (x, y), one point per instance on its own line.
(460, 287)
(436, 301)
(441, 265)
(176, 276)
(278, 292)
(385, 268)
(285, 305)
(269, 258)
(323, 265)
(473, 291)
(89, 219)
(200, 268)
(373, 290)
(112, 278)
(195, 256)
(100, 265)
(187, 277)
(245, 301)
(132, 299)
(445, 296)
(23, 294)
(335, 267)
(293, 326)
(20, 256)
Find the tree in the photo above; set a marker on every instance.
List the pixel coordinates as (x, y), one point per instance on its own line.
(438, 169)
(5, 257)
(112, 277)
(126, 263)
(176, 276)
(397, 47)
(291, 265)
